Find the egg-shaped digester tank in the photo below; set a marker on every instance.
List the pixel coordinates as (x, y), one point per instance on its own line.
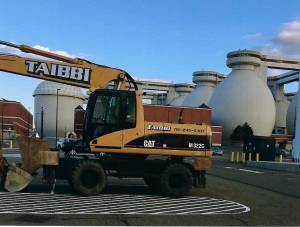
(49, 95)
(290, 116)
(243, 96)
(206, 82)
(177, 96)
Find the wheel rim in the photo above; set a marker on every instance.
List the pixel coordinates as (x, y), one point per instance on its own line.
(176, 181)
(90, 179)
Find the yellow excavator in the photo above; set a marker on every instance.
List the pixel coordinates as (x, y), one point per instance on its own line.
(172, 158)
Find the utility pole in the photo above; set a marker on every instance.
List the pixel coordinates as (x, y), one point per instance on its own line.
(58, 89)
(2, 129)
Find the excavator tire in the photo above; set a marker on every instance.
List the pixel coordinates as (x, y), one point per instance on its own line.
(153, 183)
(88, 178)
(176, 180)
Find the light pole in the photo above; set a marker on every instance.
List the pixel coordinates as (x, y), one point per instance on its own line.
(2, 123)
(28, 120)
(58, 89)
(42, 123)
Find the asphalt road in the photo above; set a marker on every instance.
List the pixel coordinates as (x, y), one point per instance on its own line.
(273, 198)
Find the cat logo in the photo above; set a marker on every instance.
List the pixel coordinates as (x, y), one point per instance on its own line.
(149, 143)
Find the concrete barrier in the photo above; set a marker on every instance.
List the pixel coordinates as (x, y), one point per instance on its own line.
(280, 166)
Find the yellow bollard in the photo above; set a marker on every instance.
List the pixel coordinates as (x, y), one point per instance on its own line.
(232, 157)
(250, 157)
(237, 156)
(244, 157)
(10, 144)
(257, 157)
(280, 158)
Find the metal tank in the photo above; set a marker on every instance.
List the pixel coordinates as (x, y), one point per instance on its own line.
(206, 82)
(282, 105)
(296, 141)
(176, 97)
(243, 96)
(290, 116)
(48, 96)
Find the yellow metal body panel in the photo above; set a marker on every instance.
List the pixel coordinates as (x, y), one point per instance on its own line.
(116, 141)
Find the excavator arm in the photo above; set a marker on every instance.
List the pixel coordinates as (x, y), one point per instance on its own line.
(62, 69)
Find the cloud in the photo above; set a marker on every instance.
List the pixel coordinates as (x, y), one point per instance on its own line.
(152, 80)
(286, 42)
(254, 36)
(288, 39)
(15, 51)
(60, 52)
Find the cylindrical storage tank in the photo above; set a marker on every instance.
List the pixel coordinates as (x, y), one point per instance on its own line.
(49, 95)
(290, 116)
(243, 97)
(182, 90)
(206, 82)
(281, 113)
(281, 103)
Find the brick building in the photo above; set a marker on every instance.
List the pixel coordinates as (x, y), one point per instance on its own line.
(15, 120)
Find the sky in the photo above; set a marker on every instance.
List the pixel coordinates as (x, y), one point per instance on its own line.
(151, 39)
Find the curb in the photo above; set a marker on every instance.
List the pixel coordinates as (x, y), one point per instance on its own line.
(280, 166)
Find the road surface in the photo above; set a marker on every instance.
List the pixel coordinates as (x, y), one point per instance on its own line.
(235, 195)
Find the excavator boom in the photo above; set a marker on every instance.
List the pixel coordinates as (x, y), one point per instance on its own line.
(66, 70)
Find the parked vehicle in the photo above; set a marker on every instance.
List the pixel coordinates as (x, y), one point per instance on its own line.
(217, 151)
(281, 151)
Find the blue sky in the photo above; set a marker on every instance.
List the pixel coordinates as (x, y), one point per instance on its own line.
(166, 40)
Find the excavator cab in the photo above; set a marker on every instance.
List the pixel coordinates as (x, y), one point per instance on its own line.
(109, 111)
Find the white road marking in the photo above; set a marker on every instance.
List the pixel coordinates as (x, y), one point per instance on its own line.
(250, 171)
(168, 206)
(244, 170)
(208, 205)
(11, 155)
(136, 207)
(41, 203)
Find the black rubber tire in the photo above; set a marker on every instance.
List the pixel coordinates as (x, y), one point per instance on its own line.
(153, 183)
(176, 180)
(88, 178)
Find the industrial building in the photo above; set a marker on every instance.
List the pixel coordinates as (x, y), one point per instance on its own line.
(59, 108)
(246, 95)
(15, 120)
(54, 106)
(206, 83)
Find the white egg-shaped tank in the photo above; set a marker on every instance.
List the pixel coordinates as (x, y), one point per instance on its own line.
(181, 91)
(206, 82)
(243, 97)
(46, 96)
(290, 116)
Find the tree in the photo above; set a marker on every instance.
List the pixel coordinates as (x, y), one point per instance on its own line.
(240, 133)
